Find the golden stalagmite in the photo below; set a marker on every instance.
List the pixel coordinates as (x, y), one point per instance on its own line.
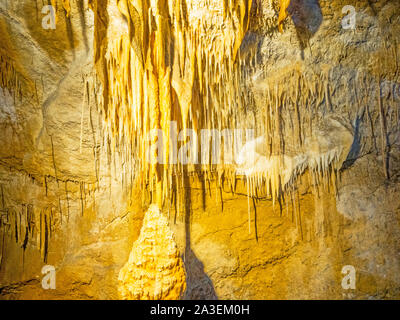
(154, 269)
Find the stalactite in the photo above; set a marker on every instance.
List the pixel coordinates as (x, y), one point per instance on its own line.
(299, 215)
(284, 4)
(9, 77)
(56, 175)
(45, 237)
(94, 140)
(82, 116)
(67, 199)
(81, 193)
(67, 7)
(3, 206)
(384, 139)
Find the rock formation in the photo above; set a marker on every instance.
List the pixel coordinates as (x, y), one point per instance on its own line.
(154, 270)
(315, 187)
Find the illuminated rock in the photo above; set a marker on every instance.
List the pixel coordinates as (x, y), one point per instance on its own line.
(154, 269)
(77, 103)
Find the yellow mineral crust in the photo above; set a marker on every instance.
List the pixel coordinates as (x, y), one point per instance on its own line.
(284, 4)
(154, 269)
(67, 7)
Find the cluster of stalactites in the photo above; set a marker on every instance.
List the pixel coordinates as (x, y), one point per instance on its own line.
(177, 62)
(27, 225)
(9, 76)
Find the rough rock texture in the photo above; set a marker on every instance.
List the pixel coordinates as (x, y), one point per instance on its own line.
(65, 202)
(154, 270)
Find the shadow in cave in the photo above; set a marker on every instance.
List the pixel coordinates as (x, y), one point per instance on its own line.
(307, 18)
(198, 285)
(355, 148)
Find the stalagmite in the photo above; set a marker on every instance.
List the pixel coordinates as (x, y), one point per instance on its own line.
(154, 269)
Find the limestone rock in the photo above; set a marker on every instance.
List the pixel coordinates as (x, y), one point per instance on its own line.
(66, 201)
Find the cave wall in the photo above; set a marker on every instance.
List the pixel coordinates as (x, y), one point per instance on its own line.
(65, 203)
